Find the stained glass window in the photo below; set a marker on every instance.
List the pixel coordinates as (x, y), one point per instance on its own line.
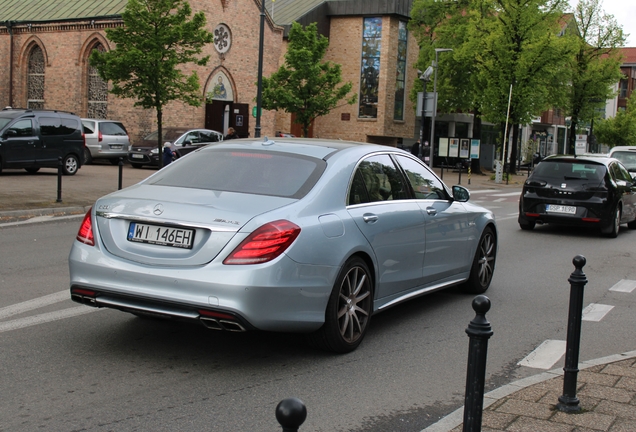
(35, 81)
(97, 92)
(370, 68)
(400, 78)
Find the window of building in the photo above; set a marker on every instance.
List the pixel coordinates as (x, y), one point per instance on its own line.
(35, 79)
(400, 79)
(623, 88)
(97, 91)
(370, 69)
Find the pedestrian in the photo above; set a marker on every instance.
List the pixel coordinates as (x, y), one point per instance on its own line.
(167, 154)
(231, 134)
(416, 149)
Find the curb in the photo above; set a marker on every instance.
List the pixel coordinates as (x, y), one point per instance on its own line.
(14, 217)
(456, 418)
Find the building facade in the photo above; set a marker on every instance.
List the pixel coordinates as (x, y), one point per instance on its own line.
(48, 46)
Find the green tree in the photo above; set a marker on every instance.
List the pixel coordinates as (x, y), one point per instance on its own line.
(305, 85)
(621, 129)
(595, 66)
(158, 37)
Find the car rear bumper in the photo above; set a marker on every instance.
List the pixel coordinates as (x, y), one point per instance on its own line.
(587, 213)
(278, 296)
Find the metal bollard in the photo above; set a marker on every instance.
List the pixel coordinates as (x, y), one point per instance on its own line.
(59, 179)
(442, 172)
(291, 413)
(568, 402)
(121, 171)
(479, 331)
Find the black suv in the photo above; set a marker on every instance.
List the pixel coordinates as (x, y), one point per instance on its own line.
(34, 139)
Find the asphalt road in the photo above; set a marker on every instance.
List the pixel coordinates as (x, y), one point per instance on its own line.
(69, 367)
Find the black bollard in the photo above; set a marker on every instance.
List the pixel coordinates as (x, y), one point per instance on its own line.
(59, 179)
(121, 170)
(291, 413)
(568, 402)
(442, 172)
(479, 331)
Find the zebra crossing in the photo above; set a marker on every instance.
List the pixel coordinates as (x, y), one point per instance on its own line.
(549, 352)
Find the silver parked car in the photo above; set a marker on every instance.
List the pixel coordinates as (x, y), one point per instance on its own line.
(105, 139)
(290, 235)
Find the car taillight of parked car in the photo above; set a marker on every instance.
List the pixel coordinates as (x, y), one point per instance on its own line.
(100, 137)
(265, 243)
(85, 233)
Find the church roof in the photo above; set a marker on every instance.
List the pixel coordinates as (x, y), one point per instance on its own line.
(53, 10)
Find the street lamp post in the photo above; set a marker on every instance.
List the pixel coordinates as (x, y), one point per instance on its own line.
(434, 113)
(259, 90)
(425, 77)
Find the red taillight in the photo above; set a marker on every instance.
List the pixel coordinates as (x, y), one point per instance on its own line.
(214, 314)
(532, 214)
(85, 233)
(265, 243)
(100, 138)
(84, 139)
(588, 219)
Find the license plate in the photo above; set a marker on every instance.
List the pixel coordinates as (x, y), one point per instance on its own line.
(137, 156)
(161, 235)
(116, 147)
(552, 208)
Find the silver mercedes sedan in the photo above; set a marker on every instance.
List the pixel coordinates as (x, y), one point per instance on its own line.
(284, 234)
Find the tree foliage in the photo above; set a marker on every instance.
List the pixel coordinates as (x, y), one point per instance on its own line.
(595, 66)
(305, 85)
(157, 38)
(621, 129)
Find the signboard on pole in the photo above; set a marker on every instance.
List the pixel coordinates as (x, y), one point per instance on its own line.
(474, 149)
(429, 105)
(580, 146)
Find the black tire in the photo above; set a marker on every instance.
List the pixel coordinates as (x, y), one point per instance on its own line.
(483, 266)
(527, 226)
(70, 165)
(136, 165)
(32, 170)
(348, 310)
(88, 158)
(615, 224)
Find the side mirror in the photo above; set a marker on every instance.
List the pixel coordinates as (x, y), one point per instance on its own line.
(11, 132)
(460, 193)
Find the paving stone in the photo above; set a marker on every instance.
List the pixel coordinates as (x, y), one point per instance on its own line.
(615, 369)
(617, 409)
(623, 425)
(527, 424)
(597, 378)
(626, 383)
(610, 393)
(533, 393)
(589, 419)
(525, 408)
(497, 420)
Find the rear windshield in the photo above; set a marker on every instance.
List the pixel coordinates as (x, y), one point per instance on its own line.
(111, 128)
(568, 170)
(627, 157)
(245, 171)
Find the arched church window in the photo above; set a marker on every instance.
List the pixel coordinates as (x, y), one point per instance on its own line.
(35, 79)
(97, 91)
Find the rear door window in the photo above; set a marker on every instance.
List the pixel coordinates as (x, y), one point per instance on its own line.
(110, 128)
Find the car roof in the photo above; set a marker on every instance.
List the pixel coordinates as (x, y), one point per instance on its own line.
(622, 148)
(314, 147)
(594, 158)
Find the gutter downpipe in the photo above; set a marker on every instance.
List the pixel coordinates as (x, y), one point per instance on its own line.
(10, 30)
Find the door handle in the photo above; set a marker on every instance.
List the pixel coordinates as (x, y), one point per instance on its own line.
(431, 211)
(369, 218)
(29, 142)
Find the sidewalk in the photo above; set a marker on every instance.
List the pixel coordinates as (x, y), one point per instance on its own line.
(606, 389)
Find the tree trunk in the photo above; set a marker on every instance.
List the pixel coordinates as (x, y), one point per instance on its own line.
(512, 168)
(160, 136)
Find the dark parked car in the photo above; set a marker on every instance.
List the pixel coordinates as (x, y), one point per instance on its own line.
(181, 140)
(285, 234)
(34, 139)
(592, 191)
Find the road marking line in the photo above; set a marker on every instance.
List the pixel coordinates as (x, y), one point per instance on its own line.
(499, 200)
(545, 355)
(507, 194)
(624, 285)
(45, 317)
(596, 312)
(37, 303)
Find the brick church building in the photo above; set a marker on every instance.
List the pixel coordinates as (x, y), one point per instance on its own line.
(46, 45)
